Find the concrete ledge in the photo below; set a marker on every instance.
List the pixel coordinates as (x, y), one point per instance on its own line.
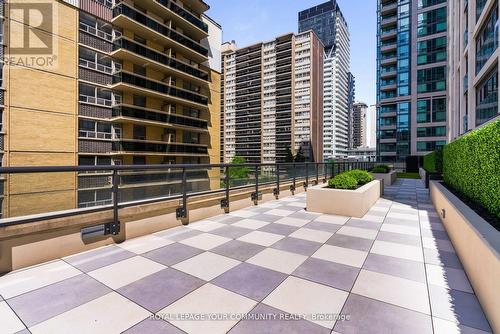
(477, 245)
(352, 203)
(389, 178)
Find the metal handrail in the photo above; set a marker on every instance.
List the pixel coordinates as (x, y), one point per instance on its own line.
(182, 211)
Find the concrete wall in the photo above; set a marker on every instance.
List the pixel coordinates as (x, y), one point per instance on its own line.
(477, 245)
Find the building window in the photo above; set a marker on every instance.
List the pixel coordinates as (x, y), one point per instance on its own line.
(431, 111)
(428, 3)
(487, 98)
(89, 198)
(431, 51)
(487, 40)
(431, 22)
(431, 79)
(479, 7)
(428, 146)
(435, 131)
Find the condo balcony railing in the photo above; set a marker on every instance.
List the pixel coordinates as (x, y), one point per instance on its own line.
(95, 100)
(166, 148)
(137, 48)
(156, 86)
(123, 9)
(188, 16)
(96, 32)
(159, 183)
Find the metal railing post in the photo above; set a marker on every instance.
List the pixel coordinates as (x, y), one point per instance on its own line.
(306, 183)
(317, 173)
(333, 170)
(292, 187)
(276, 191)
(224, 203)
(255, 195)
(182, 212)
(114, 227)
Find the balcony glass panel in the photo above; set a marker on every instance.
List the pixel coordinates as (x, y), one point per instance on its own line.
(487, 41)
(129, 146)
(184, 14)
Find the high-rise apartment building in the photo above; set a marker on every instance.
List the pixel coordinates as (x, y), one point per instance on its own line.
(473, 64)
(351, 97)
(359, 124)
(124, 82)
(411, 77)
(330, 25)
(272, 99)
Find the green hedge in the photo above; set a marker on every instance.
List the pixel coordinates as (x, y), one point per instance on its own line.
(433, 162)
(471, 166)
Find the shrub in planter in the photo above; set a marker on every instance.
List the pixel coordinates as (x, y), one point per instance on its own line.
(343, 181)
(381, 169)
(361, 176)
(433, 162)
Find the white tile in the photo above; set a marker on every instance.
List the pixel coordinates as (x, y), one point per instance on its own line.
(278, 260)
(24, 280)
(206, 266)
(350, 257)
(401, 229)
(311, 235)
(404, 216)
(208, 299)
(332, 219)
(289, 199)
(297, 204)
(144, 244)
(442, 326)
(444, 245)
(271, 205)
(427, 213)
(298, 296)
(373, 218)
(125, 272)
(449, 278)
(110, 313)
(251, 224)
(244, 213)
(9, 322)
(393, 290)
(401, 251)
(358, 232)
(296, 222)
(279, 212)
(432, 226)
(206, 226)
(261, 238)
(205, 241)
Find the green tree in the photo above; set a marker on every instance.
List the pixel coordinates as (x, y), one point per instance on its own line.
(289, 155)
(238, 173)
(300, 157)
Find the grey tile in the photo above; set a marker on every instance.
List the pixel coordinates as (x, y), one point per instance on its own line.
(172, 254)
(303, 215)
(153, 326)
(329, 273)
(24, 331)
(355, 222)
(293, 208)
(250, 281)
(267, 218)
(399, 238)
(297, 246)
(276, 322)
(347, 241)
(99, 258)
(332, 228)
(238, 250)
(47, 302)
(233, 232)
(225, 219)
(457, 306)
(411, 270)
(279, 229)
(403, 222)
(156, 291)
(434, 234)
(371, 316)
(180, 235)
(442, 258)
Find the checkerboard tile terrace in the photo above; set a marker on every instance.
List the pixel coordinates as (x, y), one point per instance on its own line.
(394, 270)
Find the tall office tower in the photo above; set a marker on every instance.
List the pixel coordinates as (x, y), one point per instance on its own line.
(473, 64)
(133, 82)
(411, 78)
(359, 124)
(351, 97)
(273, 99)
(329, 24)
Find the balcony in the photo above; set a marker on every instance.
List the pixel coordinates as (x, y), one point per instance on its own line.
(129, 18)
(137, 115)
(395, 269)
(388, 8)
(129, 82)
(388, 20)
(137, 53)
(134, 147)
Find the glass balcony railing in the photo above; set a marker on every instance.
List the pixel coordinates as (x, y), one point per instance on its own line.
(138, 113)
(184, 14)
(137, 48)
(143, 19)
(158, 87)
(177, 148)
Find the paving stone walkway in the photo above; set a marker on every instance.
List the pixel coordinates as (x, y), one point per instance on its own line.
(273, 268)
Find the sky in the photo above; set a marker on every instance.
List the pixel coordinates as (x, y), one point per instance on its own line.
(251, 21)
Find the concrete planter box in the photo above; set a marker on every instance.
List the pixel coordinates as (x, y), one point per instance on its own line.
(477, 245)
(389, 178)
(352, 203)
